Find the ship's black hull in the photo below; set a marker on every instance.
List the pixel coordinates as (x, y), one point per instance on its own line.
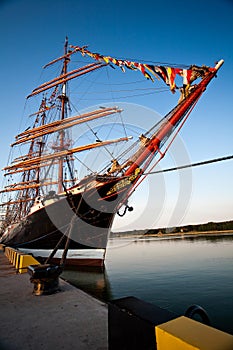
(91, 219)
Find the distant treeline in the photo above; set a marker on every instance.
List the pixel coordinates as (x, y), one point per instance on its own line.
(210, 226)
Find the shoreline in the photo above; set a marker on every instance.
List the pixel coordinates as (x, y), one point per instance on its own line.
(172, 235)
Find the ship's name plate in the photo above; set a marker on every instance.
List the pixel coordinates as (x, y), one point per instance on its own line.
(124, 182)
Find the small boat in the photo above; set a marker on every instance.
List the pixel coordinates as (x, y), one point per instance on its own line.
(44, 200)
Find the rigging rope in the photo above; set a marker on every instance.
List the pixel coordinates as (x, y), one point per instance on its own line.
(127, 96)
(215, 160)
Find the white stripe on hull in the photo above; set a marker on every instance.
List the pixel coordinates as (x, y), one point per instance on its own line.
(72, 253)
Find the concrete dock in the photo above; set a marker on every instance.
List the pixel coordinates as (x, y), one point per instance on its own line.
(69, 319)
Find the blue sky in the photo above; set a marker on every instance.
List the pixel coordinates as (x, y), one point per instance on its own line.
(185, 32)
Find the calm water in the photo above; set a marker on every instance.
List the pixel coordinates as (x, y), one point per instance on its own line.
(170, 273)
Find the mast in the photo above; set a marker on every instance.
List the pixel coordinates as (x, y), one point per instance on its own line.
(31, 175)
(64, 101)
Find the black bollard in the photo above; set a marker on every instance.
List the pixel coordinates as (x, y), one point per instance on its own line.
(45, 278)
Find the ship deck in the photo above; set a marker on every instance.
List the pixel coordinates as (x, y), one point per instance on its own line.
(70, 319)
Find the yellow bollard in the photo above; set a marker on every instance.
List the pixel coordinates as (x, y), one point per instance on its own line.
(17, 260)
(26, 260)
(10, 254)
(13, 257)
(2, 247)
(6, 251)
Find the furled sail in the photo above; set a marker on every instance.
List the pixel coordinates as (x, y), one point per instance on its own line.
(65, 77)
(67, 152)
(46, 129)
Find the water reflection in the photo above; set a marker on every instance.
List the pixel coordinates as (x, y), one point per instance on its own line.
(210, 238)
(214, 238)
(92, 281)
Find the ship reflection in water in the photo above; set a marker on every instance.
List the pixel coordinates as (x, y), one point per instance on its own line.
(94, 281)
(170, 273)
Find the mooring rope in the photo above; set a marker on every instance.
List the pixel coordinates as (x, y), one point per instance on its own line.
(190, 165)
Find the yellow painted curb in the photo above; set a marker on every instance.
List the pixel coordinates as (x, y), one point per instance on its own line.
(19, 259)
(184, 333)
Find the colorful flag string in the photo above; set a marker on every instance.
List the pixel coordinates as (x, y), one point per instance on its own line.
(167, 74)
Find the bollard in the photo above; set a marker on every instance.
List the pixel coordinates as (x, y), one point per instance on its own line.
(45, 278)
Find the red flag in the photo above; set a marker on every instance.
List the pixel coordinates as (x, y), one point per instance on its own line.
(186, 74)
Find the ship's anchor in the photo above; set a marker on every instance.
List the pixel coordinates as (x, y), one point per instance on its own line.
(124, 212)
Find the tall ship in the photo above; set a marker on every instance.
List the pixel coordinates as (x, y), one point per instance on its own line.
(46, 200)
